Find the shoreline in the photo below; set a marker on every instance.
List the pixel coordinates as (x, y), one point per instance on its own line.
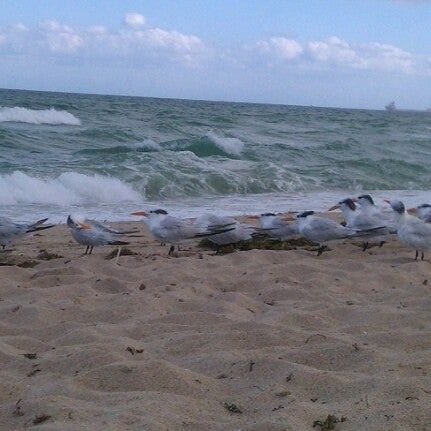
(232, 205)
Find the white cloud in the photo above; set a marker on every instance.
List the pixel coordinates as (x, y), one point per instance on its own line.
(135, 42)
(335, 52)
(19, 27)
(134, 20)
(361, 56)
(281, 46)
(59, 37)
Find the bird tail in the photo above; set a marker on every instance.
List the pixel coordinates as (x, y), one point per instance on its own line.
(119, 243)
(214, 232)
(215, 227)
(39, 226)
(126, 232)
(366, 232)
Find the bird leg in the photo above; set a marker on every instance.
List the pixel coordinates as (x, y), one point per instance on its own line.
(171, 250)
(382, 243)
(422, 255)
(365, 246)
(321, 249)
(86, 250)
(91, 250)
(416, 255)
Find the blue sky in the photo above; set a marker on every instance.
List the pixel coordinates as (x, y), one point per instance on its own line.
(347, 53)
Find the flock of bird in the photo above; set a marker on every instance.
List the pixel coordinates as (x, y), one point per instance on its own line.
(363, 219)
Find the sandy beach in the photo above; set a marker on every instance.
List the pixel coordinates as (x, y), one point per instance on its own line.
(259, 340)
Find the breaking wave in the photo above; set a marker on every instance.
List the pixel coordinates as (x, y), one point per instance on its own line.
(69, 188)
(232, 146)
(34, 116)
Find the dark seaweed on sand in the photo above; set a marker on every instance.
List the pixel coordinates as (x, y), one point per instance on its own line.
(258, 244)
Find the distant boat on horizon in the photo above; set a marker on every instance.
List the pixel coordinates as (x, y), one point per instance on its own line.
(391, 107)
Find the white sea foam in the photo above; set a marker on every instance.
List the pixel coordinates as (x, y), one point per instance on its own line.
(232, 146)
(37, 116)
(70, 188)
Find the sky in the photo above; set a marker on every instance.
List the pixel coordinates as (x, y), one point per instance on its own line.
(340, 53)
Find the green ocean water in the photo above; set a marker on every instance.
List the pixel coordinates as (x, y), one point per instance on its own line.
(108, 153)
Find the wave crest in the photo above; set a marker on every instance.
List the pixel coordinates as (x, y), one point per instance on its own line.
(70, 188)
(233, 146)
(38, 116)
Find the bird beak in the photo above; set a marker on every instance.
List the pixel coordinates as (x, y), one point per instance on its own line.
(335, 207)
(253, 217)
(287, 218)
(412, 211)
(84, 226)
(387, 201)
(139, 213)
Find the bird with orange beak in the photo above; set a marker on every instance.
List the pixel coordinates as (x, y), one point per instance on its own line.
(280, 227)
(91, 233)
(411, 230)
(10, 230)
(422, 211)
(176, 231)
(361, 219)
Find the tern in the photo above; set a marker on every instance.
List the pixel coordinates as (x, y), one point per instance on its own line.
(175, 231)
(237, 231)
(368, 206)
(277, 227)
(321, 229)
(422, 211)
(9, 230)
(412, 230)
(362, 219)
(91, 233)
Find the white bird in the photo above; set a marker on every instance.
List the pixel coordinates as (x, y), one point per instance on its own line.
(92, 233)
(411, 230)
(368, 206)
(9, 230)
(322, 230)
(176, 231)
(277, 227)
(422, 211)
(237, 231)
(361, 219)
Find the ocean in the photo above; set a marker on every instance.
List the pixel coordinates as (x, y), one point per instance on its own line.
(105, 156)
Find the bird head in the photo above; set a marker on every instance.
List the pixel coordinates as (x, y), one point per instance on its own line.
(75, 221)
(305, 214)
(151, 214)
(397, 206)
(366, 200)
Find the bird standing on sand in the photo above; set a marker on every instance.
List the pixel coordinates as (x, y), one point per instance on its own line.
(176, 231)
(277, 228)
(322, 230)
(9, 230)
(368, 206)
(238, 232)
(422, 211)
(361, 219)
(411, 230)
(92, 233)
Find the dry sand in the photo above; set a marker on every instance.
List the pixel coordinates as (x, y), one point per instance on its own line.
(158, 343)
